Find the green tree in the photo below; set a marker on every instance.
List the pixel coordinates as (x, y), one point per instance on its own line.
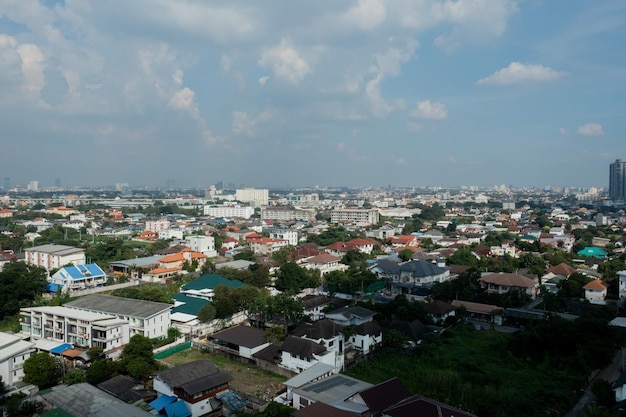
(292, 278)
(206, 313)
(245, 255)
(100, 370)
(405, 255)
(76, 376)
(42, 370)
(137, 357)
(20, 284)
(275, 334)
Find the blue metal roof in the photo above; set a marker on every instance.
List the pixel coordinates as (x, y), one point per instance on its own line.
(54, 287)
(177, 409)
(82, 271)
(61, 348)
(163, 401)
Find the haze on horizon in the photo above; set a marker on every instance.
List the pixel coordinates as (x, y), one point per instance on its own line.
(361, 93)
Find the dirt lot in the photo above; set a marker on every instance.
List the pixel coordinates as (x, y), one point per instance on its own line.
(248, 379)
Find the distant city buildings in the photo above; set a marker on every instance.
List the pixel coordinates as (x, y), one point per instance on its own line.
(253, 196)
(617, 180)
(355, 216)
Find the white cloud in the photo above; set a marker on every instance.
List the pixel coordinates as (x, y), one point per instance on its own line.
(367, 14)
(263, 79)
(285, 61)
(590, 129)
(413, 127)
(518, 73)
(427, 110)
(177, 77)
(563, 131)
(226, 63)
(244, 125)
(184, 99)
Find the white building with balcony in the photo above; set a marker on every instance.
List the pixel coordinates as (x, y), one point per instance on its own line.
(147, 318)
(13, 352)
(79, 328)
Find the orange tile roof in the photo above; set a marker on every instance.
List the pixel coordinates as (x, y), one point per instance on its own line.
(596, 284)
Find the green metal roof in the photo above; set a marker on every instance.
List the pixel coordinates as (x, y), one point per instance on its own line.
(210, 281)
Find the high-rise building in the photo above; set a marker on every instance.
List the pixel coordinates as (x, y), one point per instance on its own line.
(617, 180)
(7, 183)
(33, 186)
(254, 196)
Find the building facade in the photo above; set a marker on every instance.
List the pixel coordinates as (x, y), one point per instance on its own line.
(617, 180)
(360, 217)
(243, 212)
(253, 196)
(54, 256)
(79, 328)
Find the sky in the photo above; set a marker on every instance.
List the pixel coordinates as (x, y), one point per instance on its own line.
(283, 93)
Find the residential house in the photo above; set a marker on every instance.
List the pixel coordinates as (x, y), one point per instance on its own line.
(244, 341)
(562, 269)
(70, 326)
(13, 352)
(325, 263)
(423, 407)
(6, 213)
(367, 337)
(406, 277)
(267, 246)
(204, 287)
(439, 311)
(53, 256)
(350, 315)
(196, 384)
(595, 292)
(622, 284)
(291, 236)
(176, 263)
(314, 305)
(85, 400)
(478, 311)
(334, 390)
(147, 318)
(298, 354)
(76, 278)
(327, 334)
(593, 252)
(501, 283)
(202, 244)
(314, 373)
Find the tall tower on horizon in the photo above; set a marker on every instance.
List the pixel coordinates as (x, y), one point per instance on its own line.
(617, 180)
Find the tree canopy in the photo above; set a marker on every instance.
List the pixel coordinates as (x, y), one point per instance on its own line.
(42, 370)
(20, 284)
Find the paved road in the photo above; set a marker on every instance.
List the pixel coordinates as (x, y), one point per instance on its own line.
(610, 373)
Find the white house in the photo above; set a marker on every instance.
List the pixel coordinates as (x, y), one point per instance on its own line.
(53, 256)
(13, 352)
(298, 354)
(595, 292)
(79, 328)
(325, 263)
(202, 244)
(367, 337)
(77, 277)
(622, 284)
(147, 318)
(289, 235)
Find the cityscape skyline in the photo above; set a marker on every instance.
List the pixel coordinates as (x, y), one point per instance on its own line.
(365, 93)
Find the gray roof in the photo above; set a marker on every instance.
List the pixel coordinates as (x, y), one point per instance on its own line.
(194, 377)
(301, 347)
(310, 374)
(85, 400)
(421, 268)
(55, 249)
(119, 305)
(320, 329)
(246, 336)
(238, 264)
(335, 390)
(138, 262)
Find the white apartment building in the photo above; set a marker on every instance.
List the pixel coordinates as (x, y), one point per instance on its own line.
(202, 244)
(360, 217)
(243, 212)
(13, 352)
(253, 196)
(53, 256)
(266, 246)
(287, 213)
(79, 328)
(147, 318)
(290, 236)
(157, 225)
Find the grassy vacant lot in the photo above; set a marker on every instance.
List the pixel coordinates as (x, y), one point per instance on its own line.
(248, 379)
(476, 371)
